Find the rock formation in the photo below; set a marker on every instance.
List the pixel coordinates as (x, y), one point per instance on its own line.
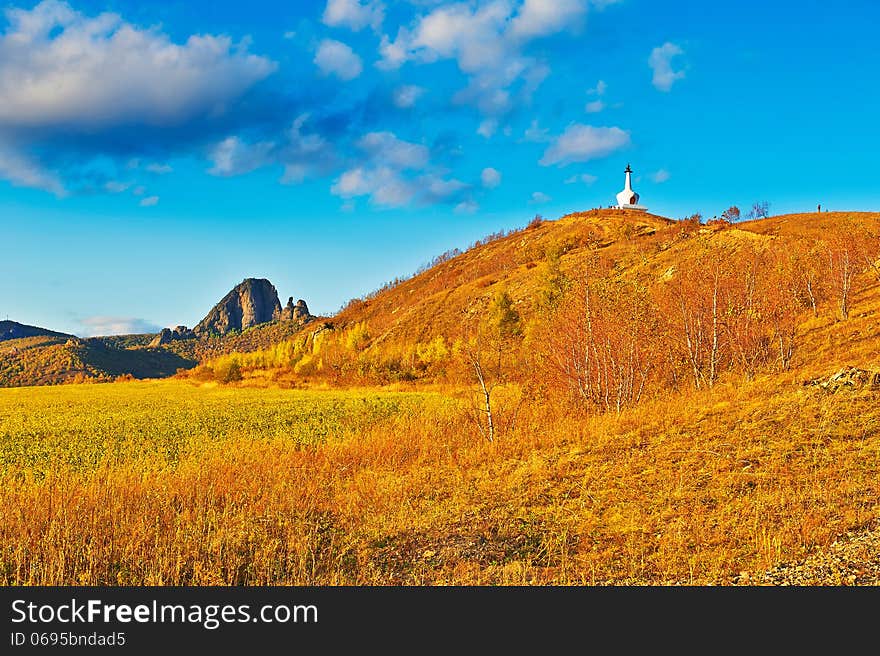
(250, 303)
(167, 335)
(298, 312)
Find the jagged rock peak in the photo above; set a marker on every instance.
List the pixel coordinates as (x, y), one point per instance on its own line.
(250, 303)
(295, 312)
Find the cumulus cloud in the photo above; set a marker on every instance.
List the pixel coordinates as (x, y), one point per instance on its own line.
(60, 67)
(150, 201)
(300, 153)
(407, 95)
(660, 62)
(487, 128)
(585, 178)
(353, 14)
(336, 58)
(466, 207)
(232, 156)
(490, 178)
(77, 88)
(393, 152)
(487, 41)
(539, 197)
(594, 107)
(660, 176)
(104, 325)
(537, 18)
(581, 143)
(395, 173)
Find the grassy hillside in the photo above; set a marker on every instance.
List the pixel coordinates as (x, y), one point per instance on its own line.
(778, 279)
(654, 388)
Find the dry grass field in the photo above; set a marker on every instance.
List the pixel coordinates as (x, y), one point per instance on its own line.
(166, 483)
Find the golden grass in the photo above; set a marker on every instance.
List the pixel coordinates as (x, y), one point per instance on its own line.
(169, 483)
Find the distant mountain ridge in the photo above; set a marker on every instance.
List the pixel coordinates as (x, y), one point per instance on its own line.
(14, 330)
(248, 318)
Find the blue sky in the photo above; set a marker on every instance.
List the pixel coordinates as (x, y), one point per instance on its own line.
(152, 155)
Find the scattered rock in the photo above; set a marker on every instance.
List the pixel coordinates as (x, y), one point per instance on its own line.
(847, 378)
(853, 559)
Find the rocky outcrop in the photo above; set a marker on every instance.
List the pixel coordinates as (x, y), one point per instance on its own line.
(250, 303)
(298, 312)
(847, 378)
(167, 336)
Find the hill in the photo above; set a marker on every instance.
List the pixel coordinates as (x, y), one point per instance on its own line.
(14, 330)
(779, 283)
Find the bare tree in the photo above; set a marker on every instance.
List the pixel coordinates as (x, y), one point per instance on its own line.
(731, 214)
(489, 354)
(760, 210)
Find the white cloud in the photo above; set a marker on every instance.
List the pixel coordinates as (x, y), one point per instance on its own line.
(540, 197)
(466, 207)
(395, 153)
(537, 18)
(594, 107)
(21, 171)
(660, 176)
(290, 34)
(232, 156)
(159, 169)
(387, 176)
(116, 187)
(599, 89)
(490, 178)
(487, 128)
(536, 133)
(150, 201)
(336, 58)
(361, 182)
(581, 143)
(388, 187)
(301, 154)
(353, 14)
(139, 191)
(104, 325)
(488, 42)
(586, 178)
(59, 67)
(407, 95)
(660, 62)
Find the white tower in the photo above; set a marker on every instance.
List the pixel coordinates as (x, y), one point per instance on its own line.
(628, 199)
